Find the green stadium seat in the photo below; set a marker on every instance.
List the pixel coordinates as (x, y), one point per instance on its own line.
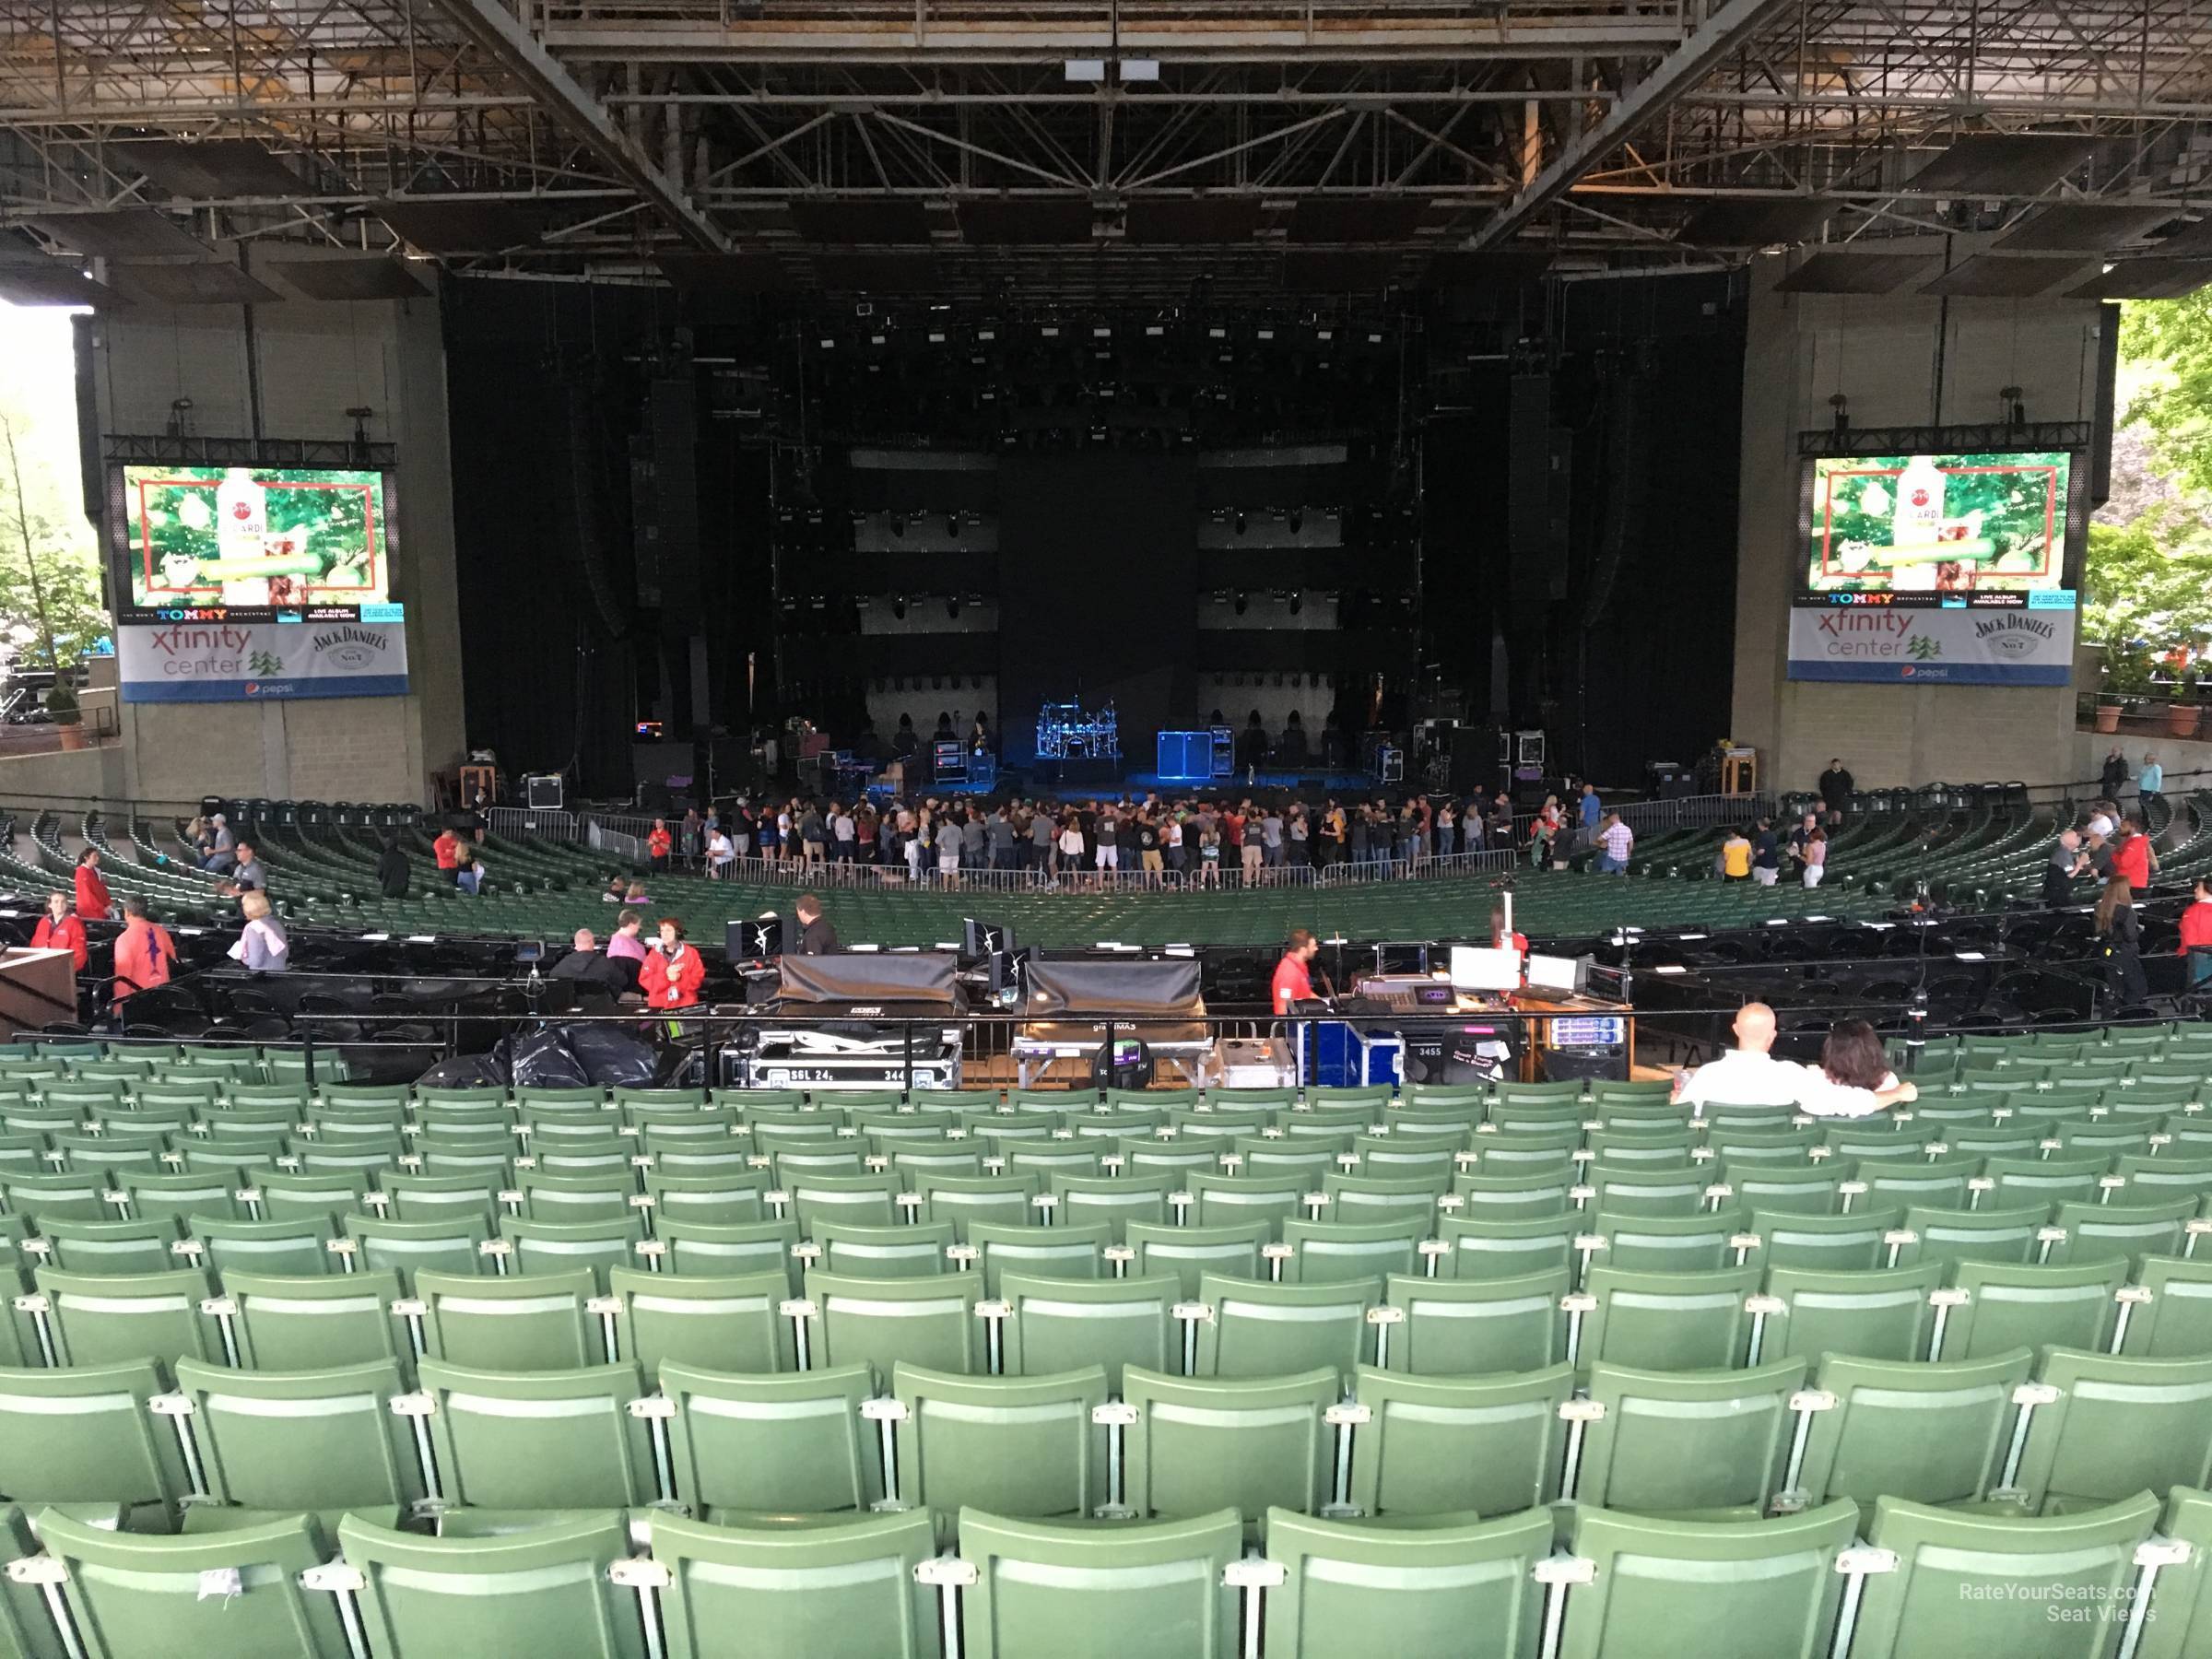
(1248, 1444)
(1025, 1446)
(537, 1323)
(1991, 1306)
(291, 1248)
(1708, 1445)
(319, 1439)
(1322, 1251)
(597, 1247)
(1237, 1201)
(1667, 1321)
(729, 1324)
(1365, 1200)
(856, 1200)
(1452, 1445)
(880, 1252)
(852, 1589)
(722, 1250)
(175, 1194)
(1009, 1200)
(455, 1245)
(1076, 1251)
(1992, 1235)
(543, 1439)
(1463, 1589)
(2168, 1312)
(1938, 1434)
(1700, 1243)
(756, 1445)
(87, 1435)
(312, 1323)
(1191, 1252)
(1883, 1313)
(1461, 1328)
(97, 1319)
(281, 1194)
(732, 1198)
(1056, 1324)
(104, 1247)
(1511, 1249)
(1114, 1200)
(1255, 1328)
(2105, 1428)
(927, 1322)
(1048, 1591)
(2178, 1619)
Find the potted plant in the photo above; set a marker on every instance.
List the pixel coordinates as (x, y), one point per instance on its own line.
(2183, 712)
(2127, 671)
(61, 702)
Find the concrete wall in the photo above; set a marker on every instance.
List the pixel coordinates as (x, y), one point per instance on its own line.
(314, 363)
(1881, 353)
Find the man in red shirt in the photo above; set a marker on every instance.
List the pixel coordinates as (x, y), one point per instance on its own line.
(447, 848)
(144, 952)
(1293, 983)
(2196, 937)
(2131, 855)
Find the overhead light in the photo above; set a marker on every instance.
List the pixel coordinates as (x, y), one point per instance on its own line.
(1140, 69)
(1084, 69)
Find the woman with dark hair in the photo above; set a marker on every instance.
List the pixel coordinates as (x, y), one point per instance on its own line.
(1853, 1077)
(92, 900)
(2120, 937)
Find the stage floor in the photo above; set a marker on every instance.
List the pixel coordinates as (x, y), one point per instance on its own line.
(1086, 785)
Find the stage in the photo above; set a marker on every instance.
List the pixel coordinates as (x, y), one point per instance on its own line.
(1069, 779)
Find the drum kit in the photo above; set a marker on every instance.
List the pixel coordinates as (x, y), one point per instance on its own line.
(1066, 731)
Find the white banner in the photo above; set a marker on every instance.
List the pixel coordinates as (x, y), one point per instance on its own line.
(220, 660)
(2031, 645)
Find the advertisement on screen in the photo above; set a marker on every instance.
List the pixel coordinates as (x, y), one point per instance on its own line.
(228, 661)
(249, 543)
(1938, 523)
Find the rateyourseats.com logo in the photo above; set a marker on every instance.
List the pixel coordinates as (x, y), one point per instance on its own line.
(2067, 1604)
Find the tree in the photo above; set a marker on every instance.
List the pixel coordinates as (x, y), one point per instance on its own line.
(2175, 337)
(2140, 590)
(50, 608)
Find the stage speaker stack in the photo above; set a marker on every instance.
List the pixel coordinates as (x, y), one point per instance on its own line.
(542, 791)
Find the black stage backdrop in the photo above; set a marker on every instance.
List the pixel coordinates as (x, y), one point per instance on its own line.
(1096, 593)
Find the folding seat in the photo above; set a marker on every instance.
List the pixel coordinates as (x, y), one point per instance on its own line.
(1191, 1252)
(1634, 1191)
(127, 1593)
(1062, 1324)
(2178, 1624)
(173, 1195)
(1463, 1590)
(1233, 1201)
(1191, 1124)
(881, 1251)
(1366, 1098)
(2167, 1314)
(1858, 1240)
(532, 1323)
(1116, 1201)
(1007, 1200)
(2154, 1180)
(1026, 1446)
(1306, 1159)
(1887, 1141)
(2108, 1139)
(1322, 1251)
(111, 1154)
(1259, 1329)
(1362, 1200)
(408, 1197)
(586, 1161)
(2102, 1427)
(540, 1440)
(810, 1154)
(755, 1444)
(1991, 1235)
(1509, 1197)
(733, 1197)
(102, 1247)
(1654, 1588)
(1463, 1327)
(2124, 1230)
(1952, 1583)
(1993, 1306)
(1706, 1445)
(369, 1153)
(282, 1194)
(1548, 1152)
(86, 1435)
(455, 1245)
(1407, 1154)
(1036, 1251)
(1665, 1320)
(1932, 1432)
(545, 1127)
(857, 1200)
(273, 1323)
(912, 1159)
(542, 1590)
(719, 1250)
(1043, 1158)
(340, 1119)
(730, 1324)
(1776, 1149)
(22, 1154)
(488, 1155)
(1247, 1443)
(1810, 1189)
(1050, 1590)
(1942, 1185)
(324, 1440)
(1631, 1150)
(1698, 1243)
(1760, 1119)
(926, 1322)
(71, 1196)
(1510, 1249)
(1875, 1314)
(535, 1247)
(1458, 1445)
(97, 1319)
(576, 1198)
(2018, 1182)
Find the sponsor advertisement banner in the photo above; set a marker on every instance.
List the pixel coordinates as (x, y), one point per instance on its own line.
(2030, 645)
(207, 657)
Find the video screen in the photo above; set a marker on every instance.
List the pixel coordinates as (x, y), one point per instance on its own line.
(250, 538)
(1946, 525)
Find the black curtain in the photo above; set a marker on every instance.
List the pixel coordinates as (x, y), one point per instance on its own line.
(1097, 597)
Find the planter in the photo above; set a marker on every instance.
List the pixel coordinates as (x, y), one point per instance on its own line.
(2108, 717)
(73, 734)
(2182, 718)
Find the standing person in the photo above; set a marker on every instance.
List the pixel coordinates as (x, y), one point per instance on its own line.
(1041, 839)
(2151, 782)
(974, 840)
(1543, 833)
(658, 844)
(1736, 856)
(2120, 937)
(844, 834)
(58, 930)
(811, 833)
(468, 876)
(768, 834)
(2134, 859)
(673, 973)
(695, 835)
(1209, 857)
(1172, 850)
(1293, 980)
(2112, 777)
(1836, 784)
(1802, 833)
(1332, 834)
(446, 850)
(1271, 838)
(144, 951)
(1300, 854)
(1447, 830)
(1813, 857)
(1766, 855)
(1107, 840)
(1001, 831)
(2067, 861)
(1232, 836)
(816, 937)
(92, 901)
(261, 947)
(741, 830)
(626, 944)
(1592, 814)
(1615, 842)
(946, 845)
(1148, 858)
(2196, 937)
(393, 871)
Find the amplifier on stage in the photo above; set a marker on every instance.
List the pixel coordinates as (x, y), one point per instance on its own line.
(542, 791)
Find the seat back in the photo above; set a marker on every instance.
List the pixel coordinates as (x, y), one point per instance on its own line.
(307, 1322)
(538, 1439)
(1255, 1328)
(1447, 1445)
(97, 1319)
(1055, 1324)
(782, 1445)
(2118, 1426)
(1466, 1589)
(1710, 1444)
(534, 1322)
(732, 1324)
(1884, 1314)
(926, 1322)
(1021, 1446)
(850, 1587)
(1118, 1587)
(1934, 1432)
(2002, 1305)
(84, 1435)
(286, 1442)
(1668, 1320)
(1247, 1443)
(1467, 1327)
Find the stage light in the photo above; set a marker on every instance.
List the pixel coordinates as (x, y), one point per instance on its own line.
(1084, 69)
(1239, 522)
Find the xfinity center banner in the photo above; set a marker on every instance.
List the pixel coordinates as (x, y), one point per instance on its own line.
(2021, 639)
(209, 658)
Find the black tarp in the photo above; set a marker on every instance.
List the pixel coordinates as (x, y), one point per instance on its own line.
(1066, 996)
(922, 982)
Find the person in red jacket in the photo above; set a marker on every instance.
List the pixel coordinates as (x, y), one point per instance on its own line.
(92, 901)
(58, 930)
(671, 974)
(657, 844)
(2196, 936)
(144, 951)
(447, 848)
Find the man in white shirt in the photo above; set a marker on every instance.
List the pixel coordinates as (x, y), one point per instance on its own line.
(1747, 1074)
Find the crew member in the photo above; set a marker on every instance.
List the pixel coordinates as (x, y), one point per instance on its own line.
(447, 850)
(144, 952)
(92, 904)
(1503, 938)
(672, 974)
(1293, 981)
(816, 937)
(58, 930)
(2196, 936)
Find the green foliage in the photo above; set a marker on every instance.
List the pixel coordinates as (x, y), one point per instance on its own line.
(2175, 337)
(2139, 592)
(61, 702)
(50, 609)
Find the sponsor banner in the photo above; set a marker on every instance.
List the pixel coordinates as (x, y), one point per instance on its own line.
(221, 660)
(1945, 646)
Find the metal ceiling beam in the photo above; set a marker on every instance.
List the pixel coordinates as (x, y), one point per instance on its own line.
(492, 27)
(1723, 31)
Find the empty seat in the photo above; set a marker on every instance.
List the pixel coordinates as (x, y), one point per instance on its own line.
(1448, 1445)
(1997, 1305)
(1461, 1328)
(731, 1198)
(1511, 1249)
(303, 1322)
(963, 1200)
(1190, 1252)
(596, 1247)
(1667, 1321)
(1024, 1446)
(319, 1439)
(1055, 1324)
(1254, 1328)
(1882, 1314)
(926, 1322)
(1991, 1235)
(449, 1248)
(84, 1435)
(722, 1250)
(781, 1445)
(1247, 1443)
(1710, 1445)
(2168, 1313)
(1115, 1201)
(2116, 1426)
(105, 1247)
(881, 1251)
(1076, 1251)
(733, 1323)
(294, 1247)
(93, 1319)
(1699, 1243)
(1938, 1434)
(2180, 1622)
(844, 1591)
(2118, 1231)
(1849, 1242)
(1463, 1590)
(1043, 1591)
(538, 1322)
(538, 1439)
(1326, 1250)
